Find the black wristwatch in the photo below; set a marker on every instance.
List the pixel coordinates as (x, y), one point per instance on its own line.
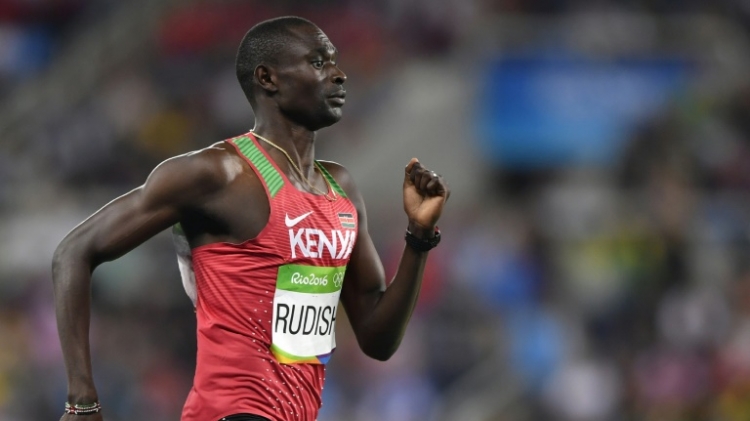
(420, 244)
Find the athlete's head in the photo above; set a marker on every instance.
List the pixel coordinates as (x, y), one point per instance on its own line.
(289, 64)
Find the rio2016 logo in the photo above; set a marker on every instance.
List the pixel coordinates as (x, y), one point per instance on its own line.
(312, 279)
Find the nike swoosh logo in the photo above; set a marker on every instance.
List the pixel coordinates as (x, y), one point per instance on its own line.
(292, 222)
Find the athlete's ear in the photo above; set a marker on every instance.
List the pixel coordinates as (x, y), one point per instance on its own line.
(265, 77)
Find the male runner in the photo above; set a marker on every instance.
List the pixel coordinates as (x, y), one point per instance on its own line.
(275, 238)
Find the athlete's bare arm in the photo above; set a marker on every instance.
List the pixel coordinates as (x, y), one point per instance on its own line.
(173, 188)
(379, 315)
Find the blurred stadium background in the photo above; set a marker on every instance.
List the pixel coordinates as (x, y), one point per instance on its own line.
(595, 257)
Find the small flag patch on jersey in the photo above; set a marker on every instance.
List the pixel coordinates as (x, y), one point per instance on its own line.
(347, 220)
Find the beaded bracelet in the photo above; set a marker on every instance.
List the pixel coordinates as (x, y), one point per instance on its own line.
(82, 408)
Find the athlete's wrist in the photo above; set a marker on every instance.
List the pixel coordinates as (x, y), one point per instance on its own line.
(83, 395)
(420, 231)
(422, 244)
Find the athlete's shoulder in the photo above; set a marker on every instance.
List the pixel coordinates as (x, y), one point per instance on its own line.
(339, 173)
(202, 170)
(342, 176)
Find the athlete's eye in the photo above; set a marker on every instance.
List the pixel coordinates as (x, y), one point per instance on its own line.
(318, 64)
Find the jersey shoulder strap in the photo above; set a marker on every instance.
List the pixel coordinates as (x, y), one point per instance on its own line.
(257, 159)
(332, 181)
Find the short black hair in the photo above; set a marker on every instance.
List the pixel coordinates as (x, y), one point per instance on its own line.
(261, 45)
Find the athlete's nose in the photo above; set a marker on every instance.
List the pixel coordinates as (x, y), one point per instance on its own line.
(339, 77)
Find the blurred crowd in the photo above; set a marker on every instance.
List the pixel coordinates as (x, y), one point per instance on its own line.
(571, 292)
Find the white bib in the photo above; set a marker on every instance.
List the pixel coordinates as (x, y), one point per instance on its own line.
(304, 313)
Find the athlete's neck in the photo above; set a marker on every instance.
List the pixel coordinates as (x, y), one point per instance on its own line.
(297, 141)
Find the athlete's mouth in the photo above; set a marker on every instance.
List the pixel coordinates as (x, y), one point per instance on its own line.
(338, 94)
(338, 97)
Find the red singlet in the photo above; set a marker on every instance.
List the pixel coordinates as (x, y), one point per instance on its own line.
(266, 307)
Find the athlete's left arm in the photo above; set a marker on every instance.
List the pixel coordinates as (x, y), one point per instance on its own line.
(379, 314)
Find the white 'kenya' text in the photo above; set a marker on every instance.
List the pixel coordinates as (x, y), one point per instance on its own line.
(312, 242)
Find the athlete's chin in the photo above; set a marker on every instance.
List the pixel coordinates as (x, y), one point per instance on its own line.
(333, 116)
(336, 113)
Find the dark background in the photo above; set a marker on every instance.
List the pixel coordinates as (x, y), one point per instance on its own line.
(594, 261)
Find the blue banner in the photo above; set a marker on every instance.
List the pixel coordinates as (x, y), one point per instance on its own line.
(542, 112)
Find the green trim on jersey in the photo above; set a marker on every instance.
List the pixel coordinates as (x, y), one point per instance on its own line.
(267, 171)
(331, 180)
(177, 229)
